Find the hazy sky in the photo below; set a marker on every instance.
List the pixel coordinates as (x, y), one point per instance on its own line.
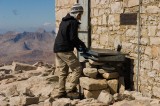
(26, 15)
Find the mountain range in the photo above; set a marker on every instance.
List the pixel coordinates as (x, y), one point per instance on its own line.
(28, 47)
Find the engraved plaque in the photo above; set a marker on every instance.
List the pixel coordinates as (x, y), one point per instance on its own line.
(128, 19)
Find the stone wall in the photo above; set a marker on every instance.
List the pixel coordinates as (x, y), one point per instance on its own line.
(107, 33)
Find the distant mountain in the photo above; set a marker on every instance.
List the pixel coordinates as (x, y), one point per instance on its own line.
(27, 46)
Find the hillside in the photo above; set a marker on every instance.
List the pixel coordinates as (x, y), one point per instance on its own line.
(27, 47)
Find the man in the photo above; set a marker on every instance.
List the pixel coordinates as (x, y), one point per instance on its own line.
(66, 40)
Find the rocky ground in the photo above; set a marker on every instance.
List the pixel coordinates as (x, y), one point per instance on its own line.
(31, 85)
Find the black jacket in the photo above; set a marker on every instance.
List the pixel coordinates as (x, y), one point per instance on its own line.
(67, 37)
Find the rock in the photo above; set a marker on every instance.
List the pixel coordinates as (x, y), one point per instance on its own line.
(38, 64)
(113, 86)
(52, 78)
(22, 100)
(93, 94)
(21, 66)
(90, 102)
(74, 102)
(132, 3)
(110, 75)
(90, 72)
(15, 101)
(47, 103)
(11, 91)
(105, 97)
(152, 9)
(95, 63)
(28, 92)
(6, 69)
(93, 84)
(109, 69)
(120, 97)
(62, 102)
(30, 100)
(88, 65)
(121, 85)
(116, 7)
(39, 104)
(6, 76)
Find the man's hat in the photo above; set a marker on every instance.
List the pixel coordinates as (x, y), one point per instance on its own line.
(76, 8)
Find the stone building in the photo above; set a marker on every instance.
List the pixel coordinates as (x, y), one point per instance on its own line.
(107, 32)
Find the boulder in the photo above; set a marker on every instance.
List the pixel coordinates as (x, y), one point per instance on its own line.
(52, 78)
(113, 86)
(6, 76)
(6, 69)
(21, 66)
(93, 94)
(110, 75)
(105, 97)
(93, 84)
(23, 101)
(95, 63)
(90, 102)
(38, 64)
(108, 70)
(30, 100)
(90, 72)
(62, 102)
(121, 85)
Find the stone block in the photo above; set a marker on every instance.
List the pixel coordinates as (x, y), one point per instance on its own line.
(148, 51)
(52, 78)
(105, 97)
(154, 41)
(88, 65)
(90, 72)
(152, 9)
(104, 19)
(113, 86)
(62, 102)
(131, 32)
(95, 63)
(21, 66)
(15, 101)
(4, 103)
(93, 84)
(30, 100)
(106, 70)
(144, 41)
(94, 21)
(152, 30)
(121, 85)
(111, 75)
(93, 94)
(47, 103)
(156, 65)
(116, 7)
(103, 39)
(6, 69)
(132, 3)
(114, 19)
(22, 100)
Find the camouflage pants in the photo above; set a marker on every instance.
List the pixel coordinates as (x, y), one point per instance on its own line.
(65, 61)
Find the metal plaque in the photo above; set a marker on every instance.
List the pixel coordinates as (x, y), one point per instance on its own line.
(128, 19)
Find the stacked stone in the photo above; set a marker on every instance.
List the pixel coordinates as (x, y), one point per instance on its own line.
(97, 79)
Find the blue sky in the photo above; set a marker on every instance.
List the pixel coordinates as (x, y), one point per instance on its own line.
(26, 15)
